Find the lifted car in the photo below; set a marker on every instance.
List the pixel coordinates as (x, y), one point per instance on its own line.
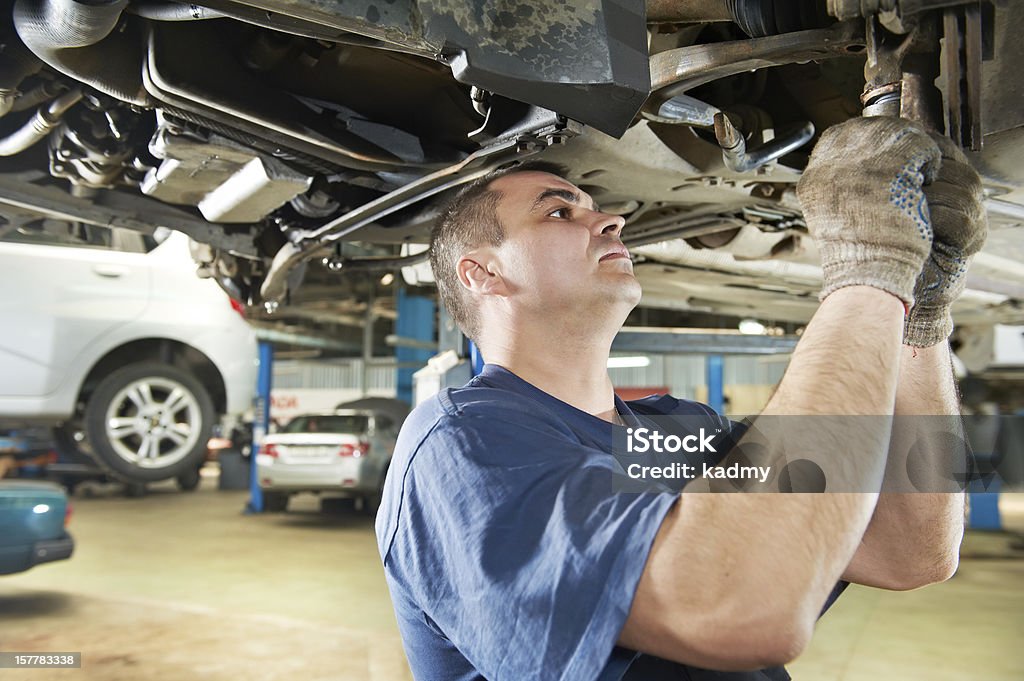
(110, 338)
(299, 140)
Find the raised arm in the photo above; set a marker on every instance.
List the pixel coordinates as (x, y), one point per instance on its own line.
(736, 581)
(914, 537)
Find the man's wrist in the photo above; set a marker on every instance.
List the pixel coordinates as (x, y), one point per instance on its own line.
(866, 281)
(887, 301)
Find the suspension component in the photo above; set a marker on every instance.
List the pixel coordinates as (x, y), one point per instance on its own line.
(39, 126)
(883, 70)
(756, 18)
(734, 147)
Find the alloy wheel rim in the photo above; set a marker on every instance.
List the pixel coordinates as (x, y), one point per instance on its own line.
(153, 422)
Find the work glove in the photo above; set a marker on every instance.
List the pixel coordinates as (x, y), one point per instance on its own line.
(864, 204)
(960, 224)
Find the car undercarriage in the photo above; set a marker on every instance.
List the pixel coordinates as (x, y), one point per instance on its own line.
(303, 144)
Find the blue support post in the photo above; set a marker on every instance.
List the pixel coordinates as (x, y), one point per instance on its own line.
(983, 496)
(476, 360)
(260, 427)
(716, 382)
(990, 436)
(984, 505)
(416, 321)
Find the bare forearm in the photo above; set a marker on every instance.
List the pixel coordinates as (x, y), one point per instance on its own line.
(843, 379)
(914, 535)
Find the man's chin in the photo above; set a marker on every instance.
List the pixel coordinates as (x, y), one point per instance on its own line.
(618, 292)
(630, 284)
(626, 291)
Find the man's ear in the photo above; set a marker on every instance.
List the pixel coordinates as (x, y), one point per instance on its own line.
(479, 272)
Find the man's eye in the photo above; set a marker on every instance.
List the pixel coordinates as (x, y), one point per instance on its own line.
(564, 213)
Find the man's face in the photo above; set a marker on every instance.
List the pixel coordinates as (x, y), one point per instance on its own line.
(560, 252)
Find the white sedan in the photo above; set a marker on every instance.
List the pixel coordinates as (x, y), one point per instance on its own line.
(339, 453)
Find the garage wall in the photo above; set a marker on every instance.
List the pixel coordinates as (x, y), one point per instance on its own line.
(341, 375)
(685, 376)
(749, 380)
(301, 387)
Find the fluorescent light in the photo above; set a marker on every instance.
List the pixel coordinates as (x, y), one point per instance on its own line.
(628, 362)
(752, 327)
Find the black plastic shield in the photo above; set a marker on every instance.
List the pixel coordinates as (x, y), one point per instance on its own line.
(585, 60)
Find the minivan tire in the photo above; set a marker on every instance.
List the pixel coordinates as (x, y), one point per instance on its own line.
(136, 397)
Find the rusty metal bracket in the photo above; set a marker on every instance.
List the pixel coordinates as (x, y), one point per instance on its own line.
(962, 56)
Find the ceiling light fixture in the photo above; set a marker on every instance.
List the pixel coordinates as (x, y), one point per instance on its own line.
(628, 362)
(752, 327)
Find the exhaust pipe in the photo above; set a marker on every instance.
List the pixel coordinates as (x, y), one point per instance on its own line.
(70, 36)
(58, 24)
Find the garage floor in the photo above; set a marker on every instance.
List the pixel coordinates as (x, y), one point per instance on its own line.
(180, 586)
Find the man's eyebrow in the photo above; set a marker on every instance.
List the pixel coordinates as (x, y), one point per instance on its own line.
(553, 193)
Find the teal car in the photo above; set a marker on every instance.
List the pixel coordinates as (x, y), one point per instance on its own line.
(33, 520)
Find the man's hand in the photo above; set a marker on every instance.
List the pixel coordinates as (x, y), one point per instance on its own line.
(960, 224)
(863, 199)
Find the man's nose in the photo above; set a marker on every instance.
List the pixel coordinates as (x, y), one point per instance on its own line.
(608, 225)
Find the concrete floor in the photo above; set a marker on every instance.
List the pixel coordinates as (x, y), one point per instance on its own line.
(178, 586)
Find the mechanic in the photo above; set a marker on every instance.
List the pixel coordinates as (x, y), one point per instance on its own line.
(507, 553)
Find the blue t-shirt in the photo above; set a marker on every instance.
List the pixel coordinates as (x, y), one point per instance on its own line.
(506, 552)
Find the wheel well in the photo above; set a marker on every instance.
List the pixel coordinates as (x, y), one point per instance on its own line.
(162, 350)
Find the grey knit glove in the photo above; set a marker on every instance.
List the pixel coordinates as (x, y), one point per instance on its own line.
(960, 225)
(863, 202)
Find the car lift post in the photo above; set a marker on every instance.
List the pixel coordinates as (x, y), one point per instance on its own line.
(261, 425)
(716, 380)
(988, 435)
(984, 505)
(415, 321)
(983, 489)
(476, 360)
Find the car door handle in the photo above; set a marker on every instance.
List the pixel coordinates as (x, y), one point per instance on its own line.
(110, 271)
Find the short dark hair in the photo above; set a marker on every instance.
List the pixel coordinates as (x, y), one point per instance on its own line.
(470, 220)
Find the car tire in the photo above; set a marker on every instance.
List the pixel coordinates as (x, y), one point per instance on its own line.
(135, 490)
(372, 502)
(275, 502)
(149, 421)
(188, 481)
(337, 505)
